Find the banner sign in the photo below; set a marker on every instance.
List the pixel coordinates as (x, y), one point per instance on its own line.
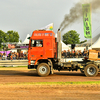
(6, 52)
(11, 46)
(87, 20)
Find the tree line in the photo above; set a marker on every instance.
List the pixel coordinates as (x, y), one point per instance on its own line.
(9, 36)
(72, 37)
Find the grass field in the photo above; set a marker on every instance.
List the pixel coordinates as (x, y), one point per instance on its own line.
(54, 83)
(12, 67)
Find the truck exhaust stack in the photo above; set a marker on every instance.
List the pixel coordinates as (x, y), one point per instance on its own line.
(59, 45)
(59, 29)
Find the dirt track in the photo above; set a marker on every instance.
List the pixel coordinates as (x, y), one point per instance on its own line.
(35, 92)
(26, 75)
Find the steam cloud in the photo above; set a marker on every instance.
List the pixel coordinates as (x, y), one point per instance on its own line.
(76, 12)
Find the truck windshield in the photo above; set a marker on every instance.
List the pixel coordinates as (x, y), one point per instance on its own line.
(36, 43)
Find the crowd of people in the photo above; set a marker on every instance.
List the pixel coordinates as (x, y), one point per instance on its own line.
(65, 54)
(74, 54)
(14, 56)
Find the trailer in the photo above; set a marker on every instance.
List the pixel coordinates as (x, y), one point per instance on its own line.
(44, 55)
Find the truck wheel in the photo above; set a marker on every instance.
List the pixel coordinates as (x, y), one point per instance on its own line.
(43, 69)
(91, 70)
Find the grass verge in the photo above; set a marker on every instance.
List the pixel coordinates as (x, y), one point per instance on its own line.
(12, 66)
(55, 83)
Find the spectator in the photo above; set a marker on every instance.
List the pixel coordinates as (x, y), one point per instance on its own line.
(4, 56)
(9, 55)
(17, 55)
(21, 55)
(80, 54)
(65, 54)
(14, 55)
(62, 54)
(71, 54)
(74, 54)
(0, 56)
(68, 54)
(24, 55)
(87, 53)
(84, 52)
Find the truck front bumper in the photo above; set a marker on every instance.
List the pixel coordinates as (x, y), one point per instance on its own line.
(32, 66)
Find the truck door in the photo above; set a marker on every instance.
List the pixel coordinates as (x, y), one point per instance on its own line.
(36, 49)
(48, 48)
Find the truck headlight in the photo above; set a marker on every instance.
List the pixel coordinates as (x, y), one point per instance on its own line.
(32, 62)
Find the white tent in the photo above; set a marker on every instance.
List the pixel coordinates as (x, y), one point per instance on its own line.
(64, 46)
(96, 44)
(19, 42)
(93, 40)
(26, 41)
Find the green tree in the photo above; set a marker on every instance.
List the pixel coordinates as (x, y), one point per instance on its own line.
(20, 41)
(2, 38)
(12, 36)
(83, 41)
(71, 37)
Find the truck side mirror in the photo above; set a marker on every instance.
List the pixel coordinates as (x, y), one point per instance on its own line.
(31, 42)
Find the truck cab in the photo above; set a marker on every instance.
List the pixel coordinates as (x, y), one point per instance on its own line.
(42, 48)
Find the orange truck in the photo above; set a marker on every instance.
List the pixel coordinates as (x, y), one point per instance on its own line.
(44, 55)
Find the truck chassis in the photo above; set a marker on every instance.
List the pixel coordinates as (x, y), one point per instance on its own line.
(46, 67)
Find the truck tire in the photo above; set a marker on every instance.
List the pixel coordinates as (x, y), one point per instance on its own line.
(43, 69)
(91, 70)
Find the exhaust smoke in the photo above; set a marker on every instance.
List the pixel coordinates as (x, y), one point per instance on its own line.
(76, 12)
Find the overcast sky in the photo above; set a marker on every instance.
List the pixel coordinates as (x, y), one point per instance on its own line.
(25, 16)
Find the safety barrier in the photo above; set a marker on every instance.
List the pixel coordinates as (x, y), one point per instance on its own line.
(12, 63)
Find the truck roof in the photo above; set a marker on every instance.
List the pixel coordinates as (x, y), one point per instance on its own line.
(43, 34)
